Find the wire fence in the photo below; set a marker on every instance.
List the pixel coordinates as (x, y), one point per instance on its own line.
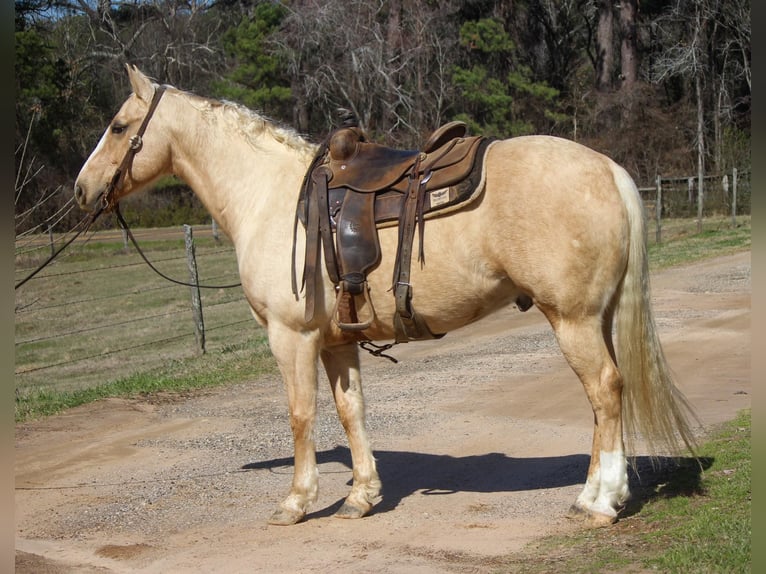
(726, 194)
(99, 313)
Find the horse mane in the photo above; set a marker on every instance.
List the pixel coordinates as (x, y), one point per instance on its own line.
(251, 124)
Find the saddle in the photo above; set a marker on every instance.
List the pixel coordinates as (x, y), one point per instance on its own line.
(352, 188)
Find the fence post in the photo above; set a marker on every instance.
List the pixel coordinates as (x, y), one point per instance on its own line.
(215, 232)
(700, 199)
(690, 185)
(199, 324)
(50, 240)
(658, 211)
(734, 197)
(125, 244)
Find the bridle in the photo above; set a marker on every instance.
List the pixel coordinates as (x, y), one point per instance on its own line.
(109, 202)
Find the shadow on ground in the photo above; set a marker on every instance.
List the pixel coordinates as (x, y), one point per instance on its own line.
(406, 473)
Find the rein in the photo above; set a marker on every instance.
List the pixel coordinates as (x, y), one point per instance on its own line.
(90, 219)
(109, 203)
(124, 225)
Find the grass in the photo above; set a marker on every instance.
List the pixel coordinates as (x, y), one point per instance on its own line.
(689, 523)
(685, 245)
(232, 363)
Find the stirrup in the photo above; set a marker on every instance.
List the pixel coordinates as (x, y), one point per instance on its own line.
(359, 325)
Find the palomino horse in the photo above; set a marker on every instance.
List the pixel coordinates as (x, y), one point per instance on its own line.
(558, 224)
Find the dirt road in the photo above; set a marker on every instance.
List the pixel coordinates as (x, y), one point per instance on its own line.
(482, 442)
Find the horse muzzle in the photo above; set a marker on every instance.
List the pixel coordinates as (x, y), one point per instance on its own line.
(81, 197)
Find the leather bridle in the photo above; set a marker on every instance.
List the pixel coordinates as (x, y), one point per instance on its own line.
(108, 198)
(109, 202)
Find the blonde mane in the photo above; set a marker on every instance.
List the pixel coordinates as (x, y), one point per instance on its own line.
(248, 123)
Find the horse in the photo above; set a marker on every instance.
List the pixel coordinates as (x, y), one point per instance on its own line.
(557, 223)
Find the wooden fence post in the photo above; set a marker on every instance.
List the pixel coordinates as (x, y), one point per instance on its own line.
(734, 197)
(700, 199)
(51, 241)
(658, 211)
(125, 244)
(199, 324)
(216, 236)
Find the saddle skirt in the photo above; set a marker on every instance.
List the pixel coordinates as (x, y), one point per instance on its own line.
(353, 188)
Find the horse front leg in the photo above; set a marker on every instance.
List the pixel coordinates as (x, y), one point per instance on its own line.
(296, 354)
(342, 367)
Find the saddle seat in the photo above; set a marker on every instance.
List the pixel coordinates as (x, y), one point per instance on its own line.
(367, 167)
(353, 187)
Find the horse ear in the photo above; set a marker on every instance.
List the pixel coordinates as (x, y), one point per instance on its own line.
(142, 86)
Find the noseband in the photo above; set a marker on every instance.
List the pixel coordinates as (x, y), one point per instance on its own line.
(108, 199)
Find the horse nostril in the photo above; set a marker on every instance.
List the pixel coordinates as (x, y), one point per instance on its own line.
(79, 195)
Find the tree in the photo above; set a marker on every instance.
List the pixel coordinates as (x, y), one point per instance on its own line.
(604, 61)
(70, 76)
(389, 70)
(628, 44)
(709, 53)
(497, 94)
(256, 78)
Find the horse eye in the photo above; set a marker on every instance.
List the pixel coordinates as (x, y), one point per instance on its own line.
(118, 128)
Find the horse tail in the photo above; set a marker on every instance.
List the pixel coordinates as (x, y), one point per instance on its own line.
(654, 409)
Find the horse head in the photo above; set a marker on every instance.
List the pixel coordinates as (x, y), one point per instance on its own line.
(130, 155)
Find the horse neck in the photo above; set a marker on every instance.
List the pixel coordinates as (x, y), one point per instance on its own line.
(239, 176)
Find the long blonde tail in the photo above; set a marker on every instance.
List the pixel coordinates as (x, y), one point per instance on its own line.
(654, 409)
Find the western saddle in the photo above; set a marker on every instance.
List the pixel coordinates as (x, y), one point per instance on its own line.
(352, 188)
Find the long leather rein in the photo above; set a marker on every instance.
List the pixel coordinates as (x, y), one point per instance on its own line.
(109, 203)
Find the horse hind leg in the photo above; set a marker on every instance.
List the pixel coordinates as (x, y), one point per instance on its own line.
(342, 367)
(586, 344)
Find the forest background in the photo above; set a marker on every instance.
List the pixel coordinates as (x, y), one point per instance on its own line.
(661, 86)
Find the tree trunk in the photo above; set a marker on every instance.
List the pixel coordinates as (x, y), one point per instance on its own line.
(629, 44)
(604, 46)
(700, 150)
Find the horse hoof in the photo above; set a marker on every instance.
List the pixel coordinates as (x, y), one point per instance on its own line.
(576, 512)
(282, 517)
(349, 511)
(598, 520)
(589, 518)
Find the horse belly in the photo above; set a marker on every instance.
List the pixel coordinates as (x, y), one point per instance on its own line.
(457, 284)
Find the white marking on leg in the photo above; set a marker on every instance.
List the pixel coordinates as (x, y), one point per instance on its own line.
(589, 492)
(613, 491)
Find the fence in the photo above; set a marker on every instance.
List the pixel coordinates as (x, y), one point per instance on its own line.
(99, 313)
(679, 197)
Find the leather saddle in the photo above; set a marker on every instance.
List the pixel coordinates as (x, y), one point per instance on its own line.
(352, 188)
